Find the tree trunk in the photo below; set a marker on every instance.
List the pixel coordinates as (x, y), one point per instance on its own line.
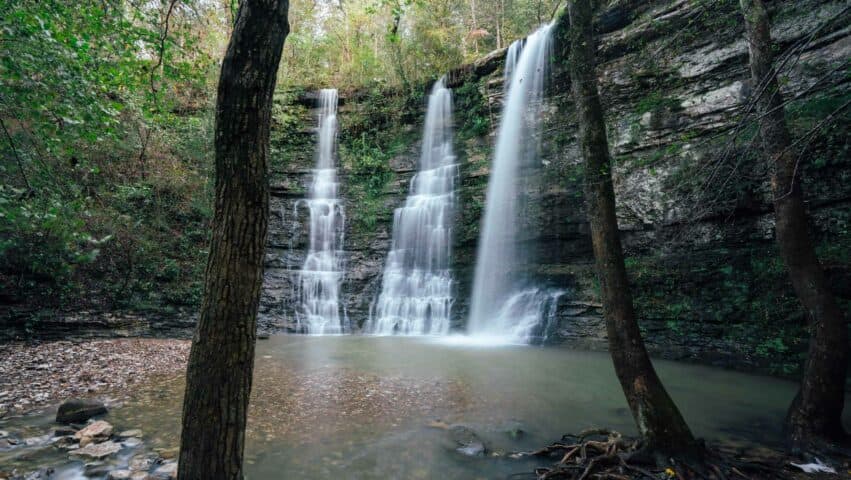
(221, 362)
(816, 412)
(659, 421)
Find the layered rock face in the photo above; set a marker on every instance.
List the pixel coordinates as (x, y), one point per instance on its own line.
(693, 204)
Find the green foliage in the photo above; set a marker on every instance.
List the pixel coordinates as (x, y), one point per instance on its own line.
(399, 43)
(656, 101)
(471, 110)
(105, 194)
(368, 166)
(744, 295)
(43, 238)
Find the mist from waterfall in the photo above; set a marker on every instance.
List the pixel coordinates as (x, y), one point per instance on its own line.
(321, 276)
(501, 305)
(416, 293)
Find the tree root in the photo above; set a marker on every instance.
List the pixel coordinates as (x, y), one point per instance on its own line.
(587, 456)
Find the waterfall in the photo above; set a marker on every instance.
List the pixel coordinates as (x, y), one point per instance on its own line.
(501, 305)
(416, 297)
(321, 275)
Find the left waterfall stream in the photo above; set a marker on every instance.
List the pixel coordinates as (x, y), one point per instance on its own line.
(318, 310)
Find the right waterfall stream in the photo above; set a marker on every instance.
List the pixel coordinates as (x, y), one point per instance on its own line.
(504, 308)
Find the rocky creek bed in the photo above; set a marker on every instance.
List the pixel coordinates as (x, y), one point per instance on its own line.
(34, 375)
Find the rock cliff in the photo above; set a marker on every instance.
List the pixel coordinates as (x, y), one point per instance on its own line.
(693, 202)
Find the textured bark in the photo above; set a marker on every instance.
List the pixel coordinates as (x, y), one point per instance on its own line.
(221, 362)
(816, 412)
(659, 421)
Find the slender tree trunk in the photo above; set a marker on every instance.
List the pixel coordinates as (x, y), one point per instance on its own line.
(659, 422)
(475, 24)
(221, 362)
(816, 412)
(500, 24)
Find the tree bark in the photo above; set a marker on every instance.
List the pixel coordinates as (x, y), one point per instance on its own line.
(816, 413)
(659, 422)
(221, 362)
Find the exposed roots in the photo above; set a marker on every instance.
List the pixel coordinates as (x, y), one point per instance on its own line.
(606, 455)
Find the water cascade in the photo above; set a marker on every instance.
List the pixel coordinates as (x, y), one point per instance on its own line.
(501, 306)
(416, 289)
(322, 273)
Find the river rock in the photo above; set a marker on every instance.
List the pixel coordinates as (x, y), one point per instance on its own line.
(119, 475)
(66, 442)
(468, 442)
(130, 433)
(96, 432)
(64, 431)
(167, 471)
(39, 440)
(78, 410)
(131, 442)
(141, 462)
(97, 451)
(97, 469)
(168, 453)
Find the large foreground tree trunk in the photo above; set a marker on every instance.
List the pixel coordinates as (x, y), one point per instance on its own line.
(221, 363)
(816, 412)
(659, 421)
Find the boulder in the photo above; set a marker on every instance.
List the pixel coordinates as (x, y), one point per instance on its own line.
(97, 451)
(78, 410)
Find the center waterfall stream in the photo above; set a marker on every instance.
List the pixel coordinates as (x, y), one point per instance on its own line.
(416, 292)
(371, 407)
